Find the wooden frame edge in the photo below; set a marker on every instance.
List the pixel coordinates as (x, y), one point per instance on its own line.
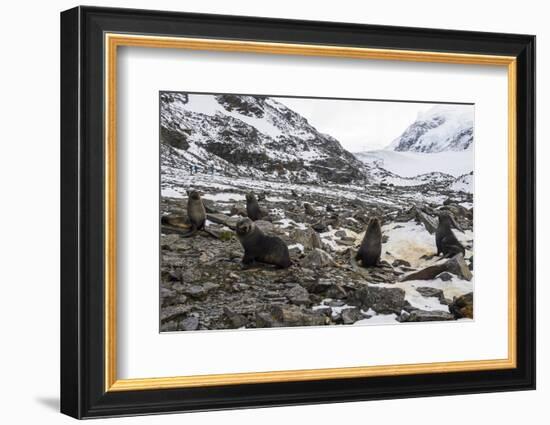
(114, 40)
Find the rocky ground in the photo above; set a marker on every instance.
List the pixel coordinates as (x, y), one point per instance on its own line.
(203, 285)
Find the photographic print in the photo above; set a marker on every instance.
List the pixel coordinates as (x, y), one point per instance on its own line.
(297, 211)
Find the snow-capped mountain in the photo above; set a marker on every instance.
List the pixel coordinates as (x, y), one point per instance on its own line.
(436, 147)
(249, 136)
(441, 128)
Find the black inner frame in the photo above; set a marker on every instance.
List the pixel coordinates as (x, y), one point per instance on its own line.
(82, 211)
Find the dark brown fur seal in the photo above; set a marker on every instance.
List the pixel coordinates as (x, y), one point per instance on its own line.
(196, 216)
(371, 246)
(261, 247)
(253, 209)
(445, 240)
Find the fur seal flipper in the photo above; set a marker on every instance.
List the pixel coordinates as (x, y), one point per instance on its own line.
(445, 240)
(261, 247)
(371, 246)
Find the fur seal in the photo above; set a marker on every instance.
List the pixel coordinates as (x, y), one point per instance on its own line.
(261, 247)
(253, 209)
(196, 216)
(445, 240)
(371, 246)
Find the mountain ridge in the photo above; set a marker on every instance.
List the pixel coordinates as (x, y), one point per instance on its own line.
(244, 135)
(441, 128)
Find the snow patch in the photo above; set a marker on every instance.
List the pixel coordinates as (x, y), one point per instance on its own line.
(412, 164)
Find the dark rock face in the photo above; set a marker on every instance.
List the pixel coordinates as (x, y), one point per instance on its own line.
(174, 138)
(221, 140)
(246, 105)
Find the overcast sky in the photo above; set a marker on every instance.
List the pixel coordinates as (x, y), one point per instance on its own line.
(357, 124)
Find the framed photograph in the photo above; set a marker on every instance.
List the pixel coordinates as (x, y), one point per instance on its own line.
(261, 212)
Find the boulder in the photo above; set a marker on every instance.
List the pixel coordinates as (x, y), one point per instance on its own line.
(235, 320)
(381, 300)
(336, 292)
(455, 265)
(463, 306)
(400, 263)
(351, 315)
(168, 241)
(298, 295)
(309, 238)
(171, 326)
(238, 209)
(264, 226)
(320, 227)
(199, 291)
(458, 266)
(318, 286)
(429, 222)
(427, 291)
(317, 258)
(230, 222)
(445, 276)
(172, 312)
(190, 323)
(326, 310)
(425, 316)
(171, 297)
(289, 315)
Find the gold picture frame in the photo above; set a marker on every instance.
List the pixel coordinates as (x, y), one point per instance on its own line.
(114, 41)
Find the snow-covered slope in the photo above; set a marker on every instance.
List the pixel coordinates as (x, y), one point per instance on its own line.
(463, 183)
(249, 136)
(411, 164)
(441, 128)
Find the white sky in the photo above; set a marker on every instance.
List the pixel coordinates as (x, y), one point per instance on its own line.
(359, 125)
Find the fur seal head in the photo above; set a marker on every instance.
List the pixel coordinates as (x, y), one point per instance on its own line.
(447, 220)
(374, 224)
(195, 195)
